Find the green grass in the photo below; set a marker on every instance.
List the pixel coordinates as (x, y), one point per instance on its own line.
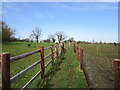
(65, 73)
(99, 60)
(66, 67)
(18, 48)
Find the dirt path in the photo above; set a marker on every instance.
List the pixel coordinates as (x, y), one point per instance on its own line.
(65, 73)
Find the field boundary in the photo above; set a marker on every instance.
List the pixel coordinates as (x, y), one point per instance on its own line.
(79, 53)
(6, 61)
(55, 51)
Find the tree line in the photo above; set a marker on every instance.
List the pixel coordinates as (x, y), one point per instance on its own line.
(8, 34)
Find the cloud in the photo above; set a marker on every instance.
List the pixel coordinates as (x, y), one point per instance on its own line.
(30, 6)
(60, 0)
(11, 6)
(86, 6)
(38, 15)
(9, 9)
(69, 7)
(106, 7)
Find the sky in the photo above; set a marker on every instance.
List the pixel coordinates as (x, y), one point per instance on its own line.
(84, 21)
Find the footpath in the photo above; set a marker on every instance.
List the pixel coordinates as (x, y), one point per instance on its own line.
(65, 73)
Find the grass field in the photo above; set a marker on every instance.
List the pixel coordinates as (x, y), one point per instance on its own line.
(99, 63)
(98, 58)
(68, 65)
(65, 73)
(18, 48)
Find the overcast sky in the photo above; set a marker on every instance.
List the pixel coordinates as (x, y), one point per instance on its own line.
(84, 21)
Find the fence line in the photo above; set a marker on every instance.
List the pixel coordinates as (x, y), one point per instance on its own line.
(79, 52)
(6, 61)
(55, 51)
(12, 59)
(14, 78)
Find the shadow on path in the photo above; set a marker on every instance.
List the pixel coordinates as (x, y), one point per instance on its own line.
(52, 71)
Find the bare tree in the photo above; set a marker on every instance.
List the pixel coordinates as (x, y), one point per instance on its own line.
(52, 37)
(31, 38)
(60, 36)
(36, 33)
(71, 39)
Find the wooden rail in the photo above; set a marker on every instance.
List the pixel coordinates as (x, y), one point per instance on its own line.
(12, 59)
(79, 52)
(14, 78)
(6, 61)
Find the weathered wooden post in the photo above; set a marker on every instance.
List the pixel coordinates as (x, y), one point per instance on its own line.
(81, 56)
(52, 56)
(59, 48)
(57, 52)
(74, 47)
(69, 43)
(42, 61)
(78, 53)
(117, 73)
(5, 70)
(62, 47)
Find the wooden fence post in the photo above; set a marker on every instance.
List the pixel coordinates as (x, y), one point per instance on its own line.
(78, 53)
(57, 50)
(117, 73)
(42, 61)
(59, 46)
(62, 47)
(74, 48)
(5, 70)
(69, 43)
(52, 56)
(81, 55)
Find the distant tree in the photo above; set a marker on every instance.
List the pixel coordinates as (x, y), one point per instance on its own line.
(48, 40)
(71, 39)
(36, 33)
(104, 42)
(14, 39)
(93, 41)
(52, 37)
(26, 40)
(31, 37)
(7, 32)
(100, 42)
(115, 44)
(60, 36)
